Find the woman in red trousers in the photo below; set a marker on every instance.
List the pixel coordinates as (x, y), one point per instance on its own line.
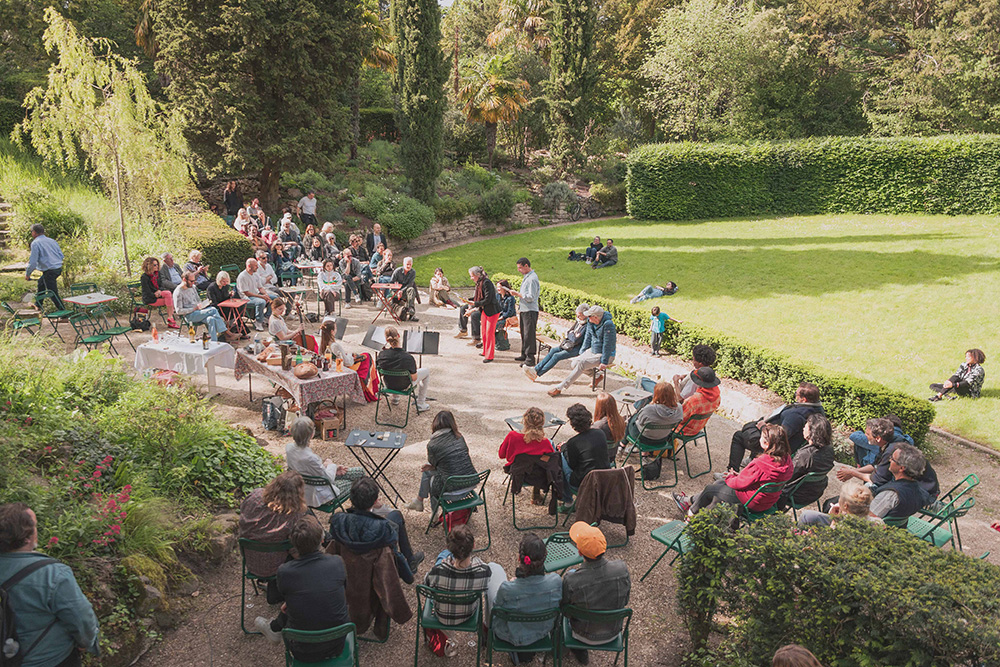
(486, 301)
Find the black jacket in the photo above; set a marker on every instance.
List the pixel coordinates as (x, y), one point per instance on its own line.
(585, 452)
(218, 294)
(148, 291)
(807, 460)
(793, 419)
(313, 588)
(370, 242)
(542, 471)
(486, 297)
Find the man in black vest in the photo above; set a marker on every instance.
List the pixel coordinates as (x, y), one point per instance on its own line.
(902, 497)
(881, 432)
(792, 418)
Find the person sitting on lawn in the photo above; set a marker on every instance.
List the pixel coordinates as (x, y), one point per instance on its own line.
(655, 292)
(607, 256)
(458, 571)
(441, 290)
(658, 417)
(300, 458)
(367, 526)
(967, 380)
(597, 351)
(882, 432)
(792, 417)
(585, 451)
(447, 456)
(567, 349)
(531, 591)
(599, 584)
(394, 358)
(701, 355)
(276, 324)
(815, 456)
(595, 247)
(773, 465)
(313, 588)
(153, 294)
(855, 500)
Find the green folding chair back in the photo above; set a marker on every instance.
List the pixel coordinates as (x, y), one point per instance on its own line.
(21, 321)
(560, 553)
(693, 440)
(88, 333)
(808, 478)
(656, 440)
(946, 503)
(513, 507)
(448, 500)
(108, 323)
(341, 492)
(232, 269)
(673, 537)
(386, 393)
(255, 580)
(752, 515)
(937, 532)
(617, 645)
(545, 645)
(348, 656)
(429, 598)
(82, 288)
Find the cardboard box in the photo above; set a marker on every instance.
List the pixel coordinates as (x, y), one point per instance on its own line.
(327, 429)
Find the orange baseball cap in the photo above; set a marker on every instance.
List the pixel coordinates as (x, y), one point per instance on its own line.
(589, 540)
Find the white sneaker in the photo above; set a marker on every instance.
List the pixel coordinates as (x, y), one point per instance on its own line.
(258, 326)
(417, 505)
(530, 372)
(348, 304)
(450, 649)
(264, 627)
(423, 407)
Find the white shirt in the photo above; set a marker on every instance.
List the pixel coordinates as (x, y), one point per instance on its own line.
(307, 205)
(247, 283)
(305, 461)
(265, 272)
(276, 326)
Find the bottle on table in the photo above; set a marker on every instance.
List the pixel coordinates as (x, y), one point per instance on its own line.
(298, 358)
(340, 365)
(156, 335)
(204, 340)
(191, 333)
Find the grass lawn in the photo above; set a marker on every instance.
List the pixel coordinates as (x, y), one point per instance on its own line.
(895, 299)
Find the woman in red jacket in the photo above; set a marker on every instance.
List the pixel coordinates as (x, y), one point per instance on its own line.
(774, 465)
(531, 441)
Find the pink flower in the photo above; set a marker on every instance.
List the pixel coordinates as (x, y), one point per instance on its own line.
(53, 541)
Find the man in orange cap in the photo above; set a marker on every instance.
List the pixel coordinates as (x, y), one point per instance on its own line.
(598, 585)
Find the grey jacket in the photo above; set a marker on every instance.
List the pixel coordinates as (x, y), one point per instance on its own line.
(598, 586)
(657, 414)
(167, 281)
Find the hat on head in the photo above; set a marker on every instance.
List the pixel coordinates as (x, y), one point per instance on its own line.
(705, 377)
(595, 310)
(589, 540)
(287, 216)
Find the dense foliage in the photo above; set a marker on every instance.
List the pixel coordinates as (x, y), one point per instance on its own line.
(948, 174)
(856, 595)
(420, 76)
(219, 244)
(572, 78)
(848, 401)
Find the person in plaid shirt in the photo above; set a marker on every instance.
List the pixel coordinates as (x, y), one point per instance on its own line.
(704, 401)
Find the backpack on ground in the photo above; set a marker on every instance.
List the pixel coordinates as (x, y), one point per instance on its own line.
(12, 654)
(273, 414)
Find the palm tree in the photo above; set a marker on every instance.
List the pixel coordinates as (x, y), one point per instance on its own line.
(490, 96)
(376, 55)
(524, 21)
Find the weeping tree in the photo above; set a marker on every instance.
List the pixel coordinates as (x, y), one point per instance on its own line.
(96, 113)
(421, 72)
(572, 78)
(492, 96)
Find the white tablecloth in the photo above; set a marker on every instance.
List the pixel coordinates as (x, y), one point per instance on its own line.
(183, 357)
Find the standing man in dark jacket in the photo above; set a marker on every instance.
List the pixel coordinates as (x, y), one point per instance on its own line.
(792, 417)
(527, 309)
(365, 527)
(313, 588)
(486, 301)
(375, 236)
(598, 585)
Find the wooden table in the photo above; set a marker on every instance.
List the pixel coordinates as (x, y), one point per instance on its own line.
(234, 313)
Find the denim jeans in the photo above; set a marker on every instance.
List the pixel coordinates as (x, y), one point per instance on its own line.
(555, 355)
(568, 490)
(648, 292)
(211, 318)
(259, 307)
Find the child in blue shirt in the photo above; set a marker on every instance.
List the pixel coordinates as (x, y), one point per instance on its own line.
(657, 325)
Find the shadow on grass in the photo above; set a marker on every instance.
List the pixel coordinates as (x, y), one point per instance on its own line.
(989, 393)
(632, 241)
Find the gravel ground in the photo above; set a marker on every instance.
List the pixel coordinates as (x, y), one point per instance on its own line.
(482, 396)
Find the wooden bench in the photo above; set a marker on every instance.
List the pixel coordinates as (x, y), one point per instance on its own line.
(545, 342)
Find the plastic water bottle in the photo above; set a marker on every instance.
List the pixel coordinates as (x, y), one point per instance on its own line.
(256, 344)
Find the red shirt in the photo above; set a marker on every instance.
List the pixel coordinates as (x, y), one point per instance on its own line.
(704, 401)
(514, 444)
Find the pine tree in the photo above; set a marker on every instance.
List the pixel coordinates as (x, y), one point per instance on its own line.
(572, 78)
(421, 73)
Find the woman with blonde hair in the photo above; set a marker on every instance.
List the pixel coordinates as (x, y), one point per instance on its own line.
(267, 515)
(608, 419)
(794, 655)
(531, 441)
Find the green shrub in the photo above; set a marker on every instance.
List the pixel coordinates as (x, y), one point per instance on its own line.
(497, 204)
(857, 596)
(848, 401)
(609, 197)
(33, 205)
(407, 218)
(219, 244)
(945, 174)
(374, 201)
(449, 209)
(476, 179)
(378, 123)
(557, 193)
(308, 181)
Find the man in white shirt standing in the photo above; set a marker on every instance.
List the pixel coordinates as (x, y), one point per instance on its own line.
(527, 311)
(251, 288)
(307, 209)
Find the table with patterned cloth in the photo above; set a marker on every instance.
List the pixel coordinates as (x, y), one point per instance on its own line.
(324, 387)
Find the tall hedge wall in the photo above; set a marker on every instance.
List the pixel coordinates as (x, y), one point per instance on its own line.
(848, 401)
(219, 244)
(947, 174)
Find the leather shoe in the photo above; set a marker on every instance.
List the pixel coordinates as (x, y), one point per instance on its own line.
(520, 357)
(554, 392)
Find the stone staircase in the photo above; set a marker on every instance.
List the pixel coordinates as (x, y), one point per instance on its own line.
(5, 215)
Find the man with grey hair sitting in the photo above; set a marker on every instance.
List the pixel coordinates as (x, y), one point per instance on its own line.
(597, 350)
(902, 497)
(300, 457)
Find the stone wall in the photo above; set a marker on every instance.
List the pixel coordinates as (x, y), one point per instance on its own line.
(473, 225)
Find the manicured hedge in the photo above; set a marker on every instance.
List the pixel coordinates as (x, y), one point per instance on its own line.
(952, 174)
(848, 401)
(219, 244)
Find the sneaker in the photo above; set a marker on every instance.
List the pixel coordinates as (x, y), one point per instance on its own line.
(475, 342)
(519, 357)
(462, 334)
(348, 304)
(414, 319)
(683, 504)
(264, 627)
(934, 399)
(258, 326)
(479, 344)
(531, 373)
(450, 649)
(417, 559)
(423, 407)
(486, 361)
(417, 505)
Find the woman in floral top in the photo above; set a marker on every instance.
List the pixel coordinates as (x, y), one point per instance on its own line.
(967, 380)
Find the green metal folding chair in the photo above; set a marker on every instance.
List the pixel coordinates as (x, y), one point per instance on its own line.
(447, 501)
(946, 503)
(545, 645)
(513, 509)
(53, 316)
(20, 320)
(428, 598)
(232, 269)
(672, 536)
(341, 492)
(560, 553)
(937, 532)
(617, 645)
(108, 323)
(384, 392)
(751, 515)
(347, 657)
(88, 333)
(259, 547)
(653, 439)
(140, 308)
(808, 478)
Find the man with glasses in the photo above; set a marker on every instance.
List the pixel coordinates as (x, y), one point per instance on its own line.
(902, 497)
